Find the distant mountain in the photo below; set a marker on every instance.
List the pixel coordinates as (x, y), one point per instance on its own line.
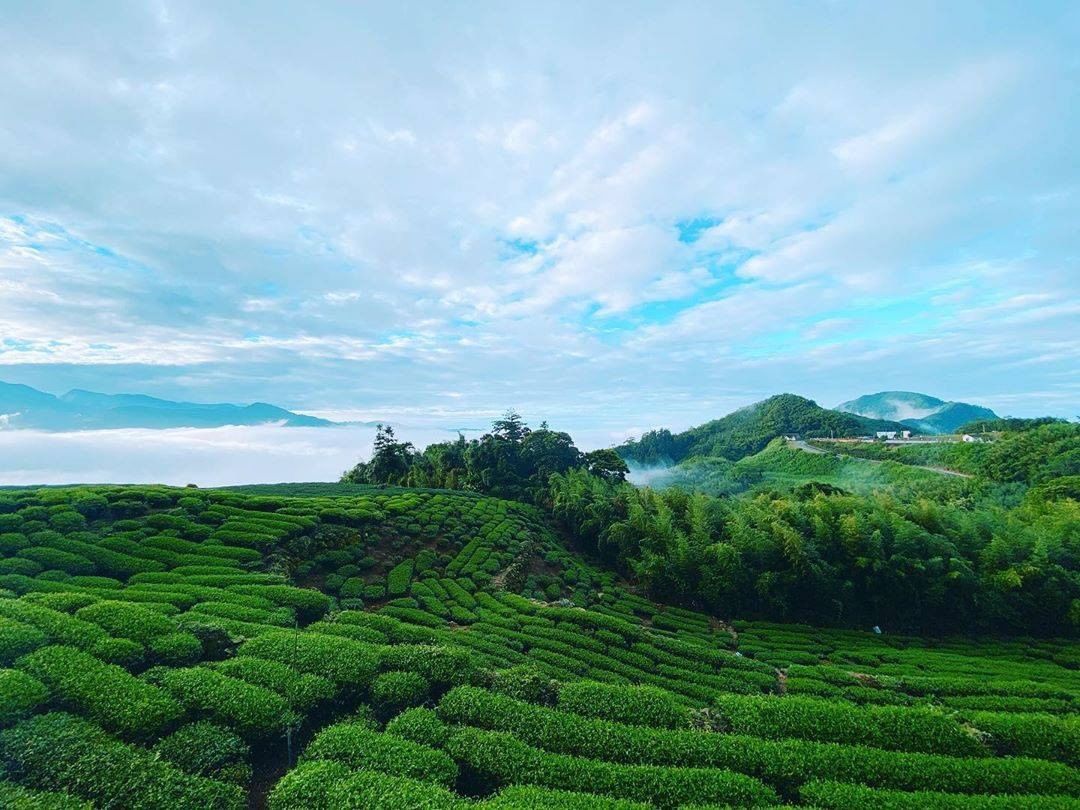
(748, 430)
(24, 407)
(917, 411)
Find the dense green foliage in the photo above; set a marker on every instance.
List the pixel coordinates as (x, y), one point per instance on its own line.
(220, 661)
(512, 461)
(1035, 455)
(60, 752)
(936, 553)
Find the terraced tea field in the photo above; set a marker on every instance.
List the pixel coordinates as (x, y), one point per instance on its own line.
(330, 647)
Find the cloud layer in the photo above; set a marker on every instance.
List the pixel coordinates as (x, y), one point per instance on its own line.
(619, 219)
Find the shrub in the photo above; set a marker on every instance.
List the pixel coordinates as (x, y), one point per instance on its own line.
(784, 763)
(357, 746)
(11, 542)
(127, 620)
(412, 616)
(302, 691)
(373, 592)
(353, 588)
(54, 576)
(308, 786)
(323, 784)
(18, 797)
(923, 686)
(108, 561)
(120, 651)
(17, 639)
(18, 565)
(279, 617)
(206, 749)
(60, 752)
(393, 691)
(504, 759)
(308, 603)
(176, 649)
(67, 521)
(55, 559)
(20, 694)
(897, 729)
(59, 627)
(254, 712)
(837, 795)
(518, 797)
(342, 660)
(1031, 735)
(96, 582)
(66, 602)
(525, 682)
(104, 693)
(397, 581)
(421, 726)
(91, 505)
(440, 664)
(393, 629)
(635, 705)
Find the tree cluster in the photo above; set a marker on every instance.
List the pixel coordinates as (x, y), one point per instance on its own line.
(997, 561)
(513, 461)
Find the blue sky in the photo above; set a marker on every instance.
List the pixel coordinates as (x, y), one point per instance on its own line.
(624, 214)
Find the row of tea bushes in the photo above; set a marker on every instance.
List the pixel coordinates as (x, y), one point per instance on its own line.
(784, 764)
(59, 752)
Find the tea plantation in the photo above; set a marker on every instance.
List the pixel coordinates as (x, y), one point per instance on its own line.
(343, 646)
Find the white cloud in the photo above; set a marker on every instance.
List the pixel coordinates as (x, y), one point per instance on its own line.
(345, 208)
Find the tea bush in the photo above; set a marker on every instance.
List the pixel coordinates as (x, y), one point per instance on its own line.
(325, 784)
(64, 753)
(105, 693)
(20, 694)
(504, 759)
(357, 746)
(252, 711)
(206, 749)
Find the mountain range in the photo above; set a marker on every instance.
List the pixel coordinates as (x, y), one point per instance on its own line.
(24, 407)
(919, 412)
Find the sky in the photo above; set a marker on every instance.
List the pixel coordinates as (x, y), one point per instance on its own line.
(613, 216)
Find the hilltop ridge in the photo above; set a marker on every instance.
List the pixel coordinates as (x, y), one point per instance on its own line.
(22, 406)
(920, 412)
(748, 430)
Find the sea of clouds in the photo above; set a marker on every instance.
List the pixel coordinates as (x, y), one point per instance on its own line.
(220, 456)
(223, 456)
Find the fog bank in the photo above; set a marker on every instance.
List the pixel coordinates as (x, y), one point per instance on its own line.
(260, 454)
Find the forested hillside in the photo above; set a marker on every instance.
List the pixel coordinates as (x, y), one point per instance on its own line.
(827, 538)
(748, 430)
(1036, 452)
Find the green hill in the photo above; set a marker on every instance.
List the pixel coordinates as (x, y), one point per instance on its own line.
(748, 430)
(919, 412)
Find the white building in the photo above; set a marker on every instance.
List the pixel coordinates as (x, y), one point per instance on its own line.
(886, 434)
